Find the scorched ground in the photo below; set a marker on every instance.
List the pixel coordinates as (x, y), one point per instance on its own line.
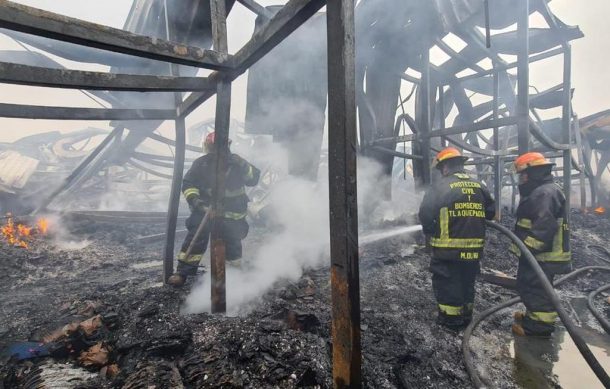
(108, 322)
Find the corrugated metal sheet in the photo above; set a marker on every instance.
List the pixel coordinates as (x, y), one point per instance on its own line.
(16, 169)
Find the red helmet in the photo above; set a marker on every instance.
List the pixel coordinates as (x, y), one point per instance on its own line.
(210, 140)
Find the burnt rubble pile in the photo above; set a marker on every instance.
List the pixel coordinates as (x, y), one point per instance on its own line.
(99, 317)
(139, 339)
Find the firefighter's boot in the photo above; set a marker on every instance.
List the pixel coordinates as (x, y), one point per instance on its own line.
(518, 315)
(177, 280)
(518, 330)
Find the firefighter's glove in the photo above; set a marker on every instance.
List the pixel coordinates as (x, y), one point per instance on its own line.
(198, 205)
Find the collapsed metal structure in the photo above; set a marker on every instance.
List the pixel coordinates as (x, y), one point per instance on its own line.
(164, 44)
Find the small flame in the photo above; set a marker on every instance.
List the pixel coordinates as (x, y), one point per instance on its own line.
(23, 230)
(600, 210)
(18, 234)
(13, 233)
(42, 225)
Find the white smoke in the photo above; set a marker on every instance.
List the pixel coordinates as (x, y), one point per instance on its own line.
(375, 209)
(299, 208)
(60, 237)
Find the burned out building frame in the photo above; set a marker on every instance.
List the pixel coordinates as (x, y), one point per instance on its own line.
(363, 80)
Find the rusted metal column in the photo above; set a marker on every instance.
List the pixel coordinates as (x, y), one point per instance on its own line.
(498, 162)
(342, 146)
(567, 124)
(523, 136)
(223, 119)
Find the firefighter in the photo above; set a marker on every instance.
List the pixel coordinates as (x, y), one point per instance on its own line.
(542, 225)
(197, 188)
(453, 214)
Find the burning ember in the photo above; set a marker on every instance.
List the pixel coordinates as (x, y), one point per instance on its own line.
(600, 210)
(18, 234)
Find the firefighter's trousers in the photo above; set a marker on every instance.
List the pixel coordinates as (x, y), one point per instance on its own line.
(540, 316)
(453, 285)
(232, 232)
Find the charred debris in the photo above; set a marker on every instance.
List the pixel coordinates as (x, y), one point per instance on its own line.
(99, 316)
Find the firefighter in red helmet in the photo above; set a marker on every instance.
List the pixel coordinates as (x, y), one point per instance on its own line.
(453, 214)
(197, 187)
(542, 225)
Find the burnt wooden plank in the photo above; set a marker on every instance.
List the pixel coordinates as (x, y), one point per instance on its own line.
(12, 73)
(70, 113)
(342, 150)
(35, 21)
(257, 8)
(221, 143)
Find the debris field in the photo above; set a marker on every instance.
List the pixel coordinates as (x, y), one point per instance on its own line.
(99, 317)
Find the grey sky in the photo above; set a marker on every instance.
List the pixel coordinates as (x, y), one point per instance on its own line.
(590, 76)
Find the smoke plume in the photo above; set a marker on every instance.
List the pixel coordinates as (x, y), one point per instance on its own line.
(299, 239)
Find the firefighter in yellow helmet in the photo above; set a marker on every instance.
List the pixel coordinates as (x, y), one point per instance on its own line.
(453, 214)
(197, 187)
(542, 225)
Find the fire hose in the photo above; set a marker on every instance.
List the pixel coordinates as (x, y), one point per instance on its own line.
(603, 250)
(548, 288)
(602, 320)
(199, 232)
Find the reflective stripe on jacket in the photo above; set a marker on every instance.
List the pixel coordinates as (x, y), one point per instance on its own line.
(200, 180)
(542, 226)
(453, 214)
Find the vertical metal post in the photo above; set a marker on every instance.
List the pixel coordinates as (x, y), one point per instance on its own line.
(523, 135)
(498, 162)
(223, 119)
(342, 146)
(441, 112)
(567, 124)
(426, 125)
(174, 200)
(179, 155)
(581, 164)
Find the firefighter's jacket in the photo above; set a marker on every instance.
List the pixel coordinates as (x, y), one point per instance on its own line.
(200, 180)
(453, 214)
(542, 224)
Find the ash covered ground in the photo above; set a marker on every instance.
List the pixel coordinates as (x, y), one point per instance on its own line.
(139, 339)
